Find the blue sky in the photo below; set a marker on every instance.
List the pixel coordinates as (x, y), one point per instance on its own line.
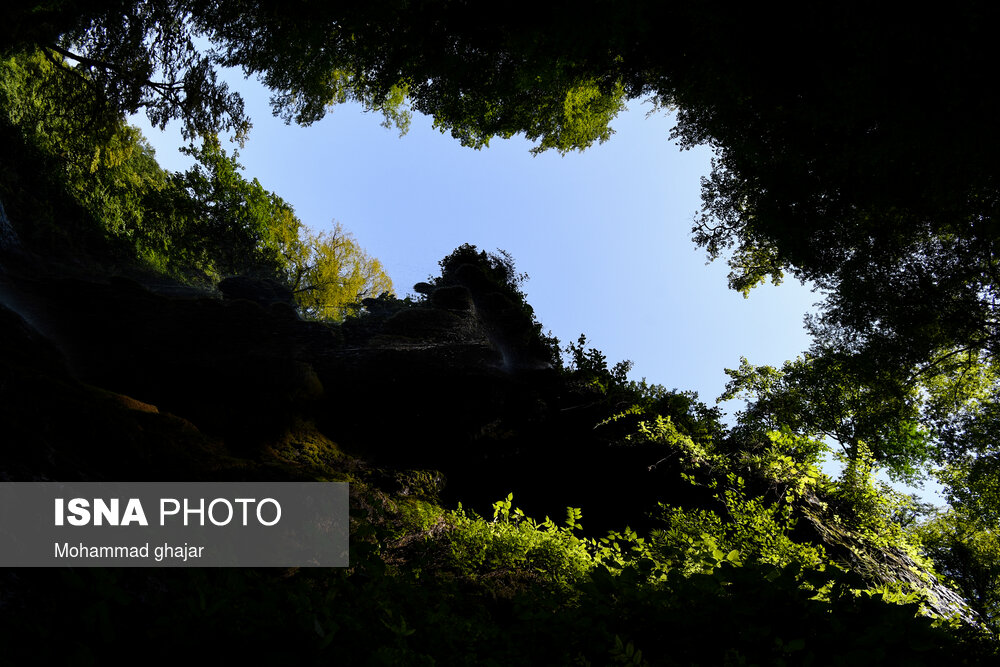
(604, 235)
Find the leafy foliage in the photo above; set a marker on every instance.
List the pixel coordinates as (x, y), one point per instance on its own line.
(144, 55)
(515, 542)
(817, 397)
(320, 56)
(330, 274)
(199, 225)
(106, 169)
(637, 405)
(497, 272)
(966, 550)
(226, 224)
(590, 367)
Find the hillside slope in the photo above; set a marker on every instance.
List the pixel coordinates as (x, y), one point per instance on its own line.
(136, 378)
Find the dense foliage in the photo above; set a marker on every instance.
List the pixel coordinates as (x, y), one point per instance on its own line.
(199, 226)
(966, 550)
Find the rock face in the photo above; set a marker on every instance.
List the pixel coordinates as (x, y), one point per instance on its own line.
(127, 383)
(261, 291)
(889, 565)
(9, 241)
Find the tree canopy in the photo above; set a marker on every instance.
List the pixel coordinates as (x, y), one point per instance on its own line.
(330, 274)
(854, 149)
(199, 225)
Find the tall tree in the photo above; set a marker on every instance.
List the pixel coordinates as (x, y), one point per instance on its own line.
(818, 397)
(330, 274)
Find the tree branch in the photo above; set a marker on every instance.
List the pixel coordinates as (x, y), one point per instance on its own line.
(83, 60)
(163, 87)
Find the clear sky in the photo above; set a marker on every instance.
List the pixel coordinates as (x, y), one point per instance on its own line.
(605, 235)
